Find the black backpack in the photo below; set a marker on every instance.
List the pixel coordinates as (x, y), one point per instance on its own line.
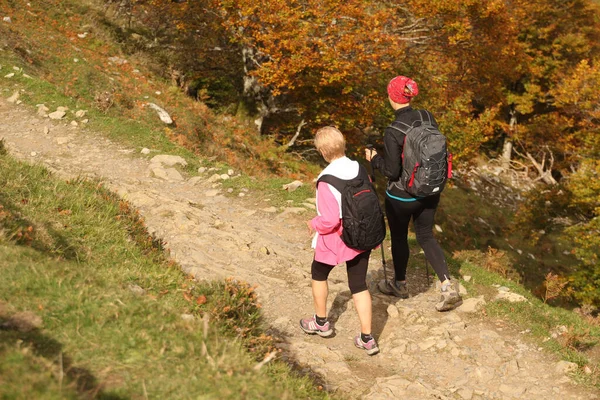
(426, 163)
(362, 218)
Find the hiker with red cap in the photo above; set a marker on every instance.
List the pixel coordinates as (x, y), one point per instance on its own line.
(402, 201)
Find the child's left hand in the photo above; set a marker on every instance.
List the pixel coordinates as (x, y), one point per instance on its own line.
(310, 228)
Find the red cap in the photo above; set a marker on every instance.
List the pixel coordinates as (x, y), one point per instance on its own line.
(402, 89)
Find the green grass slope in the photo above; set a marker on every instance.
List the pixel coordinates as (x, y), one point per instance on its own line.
(90, 306)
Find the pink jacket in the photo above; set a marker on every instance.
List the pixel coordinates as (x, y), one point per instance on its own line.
(328, 244)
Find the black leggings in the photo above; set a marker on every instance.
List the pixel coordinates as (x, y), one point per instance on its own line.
(357, 271)
(422, 212)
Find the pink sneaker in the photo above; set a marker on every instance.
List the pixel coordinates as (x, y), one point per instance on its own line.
(310, 326)
(371, 345)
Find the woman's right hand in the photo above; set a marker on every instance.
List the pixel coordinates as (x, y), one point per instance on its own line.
(370, 153)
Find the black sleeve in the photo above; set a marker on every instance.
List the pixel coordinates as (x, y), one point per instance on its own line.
(390, 165)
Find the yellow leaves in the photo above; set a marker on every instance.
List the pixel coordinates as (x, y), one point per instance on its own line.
(581, 88)
(525, 102)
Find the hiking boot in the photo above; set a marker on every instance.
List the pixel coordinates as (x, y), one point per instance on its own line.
(450, 297)
(393, 288)
(370, 347)
(310, 326)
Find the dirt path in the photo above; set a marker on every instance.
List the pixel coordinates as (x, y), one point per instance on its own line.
(424, 354)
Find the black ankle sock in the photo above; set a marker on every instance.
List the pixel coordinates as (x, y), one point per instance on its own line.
(365, 338)
(321, 320)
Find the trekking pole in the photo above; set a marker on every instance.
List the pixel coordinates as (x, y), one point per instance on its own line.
(372, 174)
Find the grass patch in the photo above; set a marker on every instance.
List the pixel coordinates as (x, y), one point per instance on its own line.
(92, 307)
(473, 222)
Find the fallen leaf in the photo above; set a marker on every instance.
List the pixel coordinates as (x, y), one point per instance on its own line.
(201, 300)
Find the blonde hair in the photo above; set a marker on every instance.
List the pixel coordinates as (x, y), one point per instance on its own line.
(330, 142)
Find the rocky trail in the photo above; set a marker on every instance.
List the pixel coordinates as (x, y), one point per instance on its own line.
(424, 354)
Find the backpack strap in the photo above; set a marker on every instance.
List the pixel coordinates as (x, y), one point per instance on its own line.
(339, 184)
(428, 119)
(424, 118)
(334, 181)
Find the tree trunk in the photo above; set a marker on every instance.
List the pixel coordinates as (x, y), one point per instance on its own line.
(507, 152)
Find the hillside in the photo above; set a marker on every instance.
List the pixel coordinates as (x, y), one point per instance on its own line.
(463, 354)
(214, 199)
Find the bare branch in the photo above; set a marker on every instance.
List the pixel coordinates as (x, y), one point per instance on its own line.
(291, 142)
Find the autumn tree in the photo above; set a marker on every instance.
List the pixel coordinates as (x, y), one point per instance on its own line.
(325, 61)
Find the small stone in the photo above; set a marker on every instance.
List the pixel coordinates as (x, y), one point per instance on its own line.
(214, 178)
(392, 311)
(80, 113)
(187, 317)
(467, 278)
(42, 110)
(74, 123)
(13, 99)
(511, 297)
(162, 114)
(33, 154)
(472, 305)
(57, 115)
(145, 151)
(230, 172)
(169, 160)
(241, 194)
(46, 130)
(587, 370)
(201, 170)
(290, 187)
(85, 121)
(7, 20)
(565, 367)
(438, 228)
(9, 75)
(224, 176)
(137, 290)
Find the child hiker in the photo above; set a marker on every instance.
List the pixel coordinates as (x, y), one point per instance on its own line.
(330, 250)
